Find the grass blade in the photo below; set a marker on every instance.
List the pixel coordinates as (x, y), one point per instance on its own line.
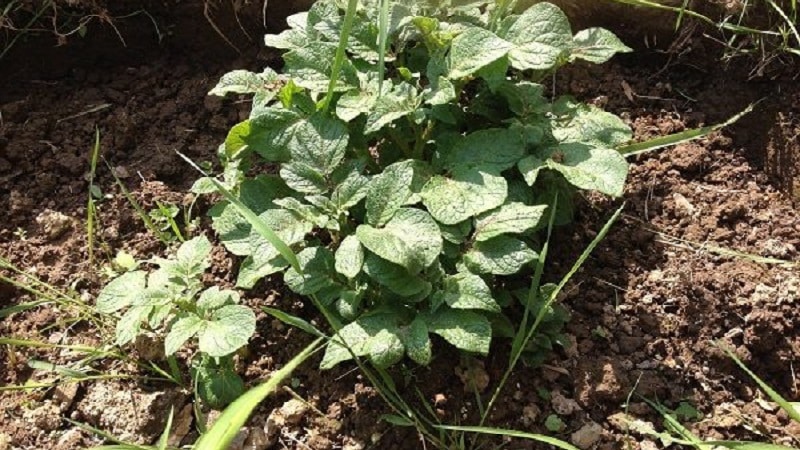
(338, 60)
(236, 414)
(558, 443)
(91, 211)
(251, 217)
(294, 321)
(777, 398)
(679, 138)
(383, 35)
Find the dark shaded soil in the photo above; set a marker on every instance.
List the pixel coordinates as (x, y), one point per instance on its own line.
(646, 308)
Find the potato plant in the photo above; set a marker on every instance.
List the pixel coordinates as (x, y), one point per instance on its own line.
(172, 301)
(414, 186)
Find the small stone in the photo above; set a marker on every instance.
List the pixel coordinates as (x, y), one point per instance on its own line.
(181, 425)
(563, 406)
(257, 440)
(212, 417)
(530, 414)
(150, 347)
(69, 440)
(238, 441)
(587, 435)
(53, 223)
(122, 172)
(474, 376)
(353, 446)
(648, 445)
(5, 442)
(293, 411)
(64, 395)
(46, 417)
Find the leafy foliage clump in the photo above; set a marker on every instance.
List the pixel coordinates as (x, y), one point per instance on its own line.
(172, 301)
(414, 186)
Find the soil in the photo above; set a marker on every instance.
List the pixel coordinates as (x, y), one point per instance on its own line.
(692, 265)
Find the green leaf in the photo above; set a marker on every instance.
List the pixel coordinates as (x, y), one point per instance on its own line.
(385, 348)
(468, 291)
(416, 341)
(181, 331)
(491, 150)
(394, 103)
(411, 239)
(191, 260)
(213, 298)
(265, 133)
(228, 329)
(585, 167)
(502, 255)
(542, 37)
(218, 385)
(530, 167)
(286, 225)
(350, 191)
(130, 324)
(349, 257)
(474, 49)
(394, 277)
(121, 292)
(250, 272)
(587, 124)
(359, 335)
(466, 193)
(597, 45)
(466, 330)
(246, 82)
(388, 191)
(303, 178)
(310, 67)
(319, 142)
(318, 271)
(511, 433)
(510, 218)
(309, 213)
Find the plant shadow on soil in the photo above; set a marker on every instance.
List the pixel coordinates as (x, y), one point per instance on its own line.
(645, 306)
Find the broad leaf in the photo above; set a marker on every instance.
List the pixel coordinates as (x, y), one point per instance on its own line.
(597, 45)
(181, 331)
(474, 49)
(394, 277)
(227, 330)
(250, 272)
(416, 341)
(214, 298)
(319, 143)
(310, 67)
(599, 169)
(466, 193)
(542, 37)
(510, 218)
(587, 124)
(289, 228)
(490, 150)
(394, 103)
(466, 330)
(318, 272)
(359, 335)
(502, 255)
(468, 291)
(411, 239)
(246, 82)
(121, 292)
(388, 191)
(349, 257)
(217, 385)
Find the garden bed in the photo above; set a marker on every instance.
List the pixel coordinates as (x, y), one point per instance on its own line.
(646, 307)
